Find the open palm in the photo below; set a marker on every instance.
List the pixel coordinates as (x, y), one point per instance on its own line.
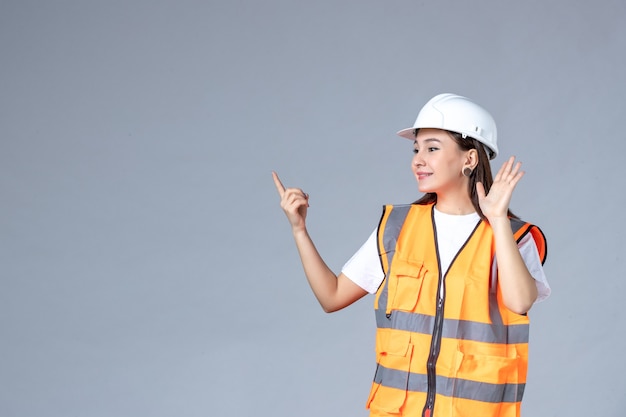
(496, 203)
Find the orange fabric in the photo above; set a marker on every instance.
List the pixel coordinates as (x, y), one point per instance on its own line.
(410, 289)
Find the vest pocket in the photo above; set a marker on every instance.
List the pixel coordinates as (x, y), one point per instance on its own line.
(389, 390)
(393, 342)
(484, 378)
(405, 285)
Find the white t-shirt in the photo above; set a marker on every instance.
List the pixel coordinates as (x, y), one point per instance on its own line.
(365, 270)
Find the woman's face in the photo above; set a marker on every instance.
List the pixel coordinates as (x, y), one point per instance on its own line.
(438, 162)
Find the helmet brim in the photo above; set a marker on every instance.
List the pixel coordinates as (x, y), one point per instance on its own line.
(407, 133)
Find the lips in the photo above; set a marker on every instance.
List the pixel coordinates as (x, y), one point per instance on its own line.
(422, 175)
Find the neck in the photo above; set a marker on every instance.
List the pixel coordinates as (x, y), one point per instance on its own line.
(458, 203)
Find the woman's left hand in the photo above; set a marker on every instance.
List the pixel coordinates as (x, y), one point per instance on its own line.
(496, 204)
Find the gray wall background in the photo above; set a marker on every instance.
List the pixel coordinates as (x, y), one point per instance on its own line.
(146, 267)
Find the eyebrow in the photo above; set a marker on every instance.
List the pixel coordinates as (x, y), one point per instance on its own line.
(427, 140)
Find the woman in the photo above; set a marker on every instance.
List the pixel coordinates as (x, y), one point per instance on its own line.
(452, 336)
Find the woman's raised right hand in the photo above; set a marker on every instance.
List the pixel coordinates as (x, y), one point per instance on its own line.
(294, 203)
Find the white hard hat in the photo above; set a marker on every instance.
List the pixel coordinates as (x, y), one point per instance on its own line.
(457, 114)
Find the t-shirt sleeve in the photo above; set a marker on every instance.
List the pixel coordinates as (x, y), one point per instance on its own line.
(530, 254)
(364, 268)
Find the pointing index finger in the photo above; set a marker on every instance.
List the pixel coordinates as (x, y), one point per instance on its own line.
(279, 185)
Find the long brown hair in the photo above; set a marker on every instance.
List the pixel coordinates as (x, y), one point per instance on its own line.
(482, 173)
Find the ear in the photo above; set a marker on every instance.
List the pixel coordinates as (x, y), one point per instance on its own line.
(471, 158)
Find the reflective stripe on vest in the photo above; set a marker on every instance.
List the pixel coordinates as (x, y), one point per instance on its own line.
(471, 356)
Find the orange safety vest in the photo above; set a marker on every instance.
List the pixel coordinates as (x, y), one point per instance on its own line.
(446, 345)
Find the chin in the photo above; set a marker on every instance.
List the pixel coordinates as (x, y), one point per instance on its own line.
(424, 189)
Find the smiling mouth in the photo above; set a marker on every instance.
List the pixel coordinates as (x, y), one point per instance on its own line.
(422, 175)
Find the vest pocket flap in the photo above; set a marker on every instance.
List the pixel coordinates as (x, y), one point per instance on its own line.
(405, 284)
(392, 342)
(406, 268)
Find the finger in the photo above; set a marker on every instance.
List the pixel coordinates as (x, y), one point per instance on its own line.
(480, 190)
(515, 180)
(500, 172)
(294, 195)
(516, 169)
(295, 191)
(505, 169)
(299, 192)
(279, 185)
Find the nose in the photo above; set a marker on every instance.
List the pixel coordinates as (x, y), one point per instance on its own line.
(418, 160)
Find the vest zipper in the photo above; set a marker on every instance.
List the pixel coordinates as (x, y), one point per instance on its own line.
(435, 347)
(435, 343)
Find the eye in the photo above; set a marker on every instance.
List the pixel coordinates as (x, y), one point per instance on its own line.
(432, 148)
(416, 150)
